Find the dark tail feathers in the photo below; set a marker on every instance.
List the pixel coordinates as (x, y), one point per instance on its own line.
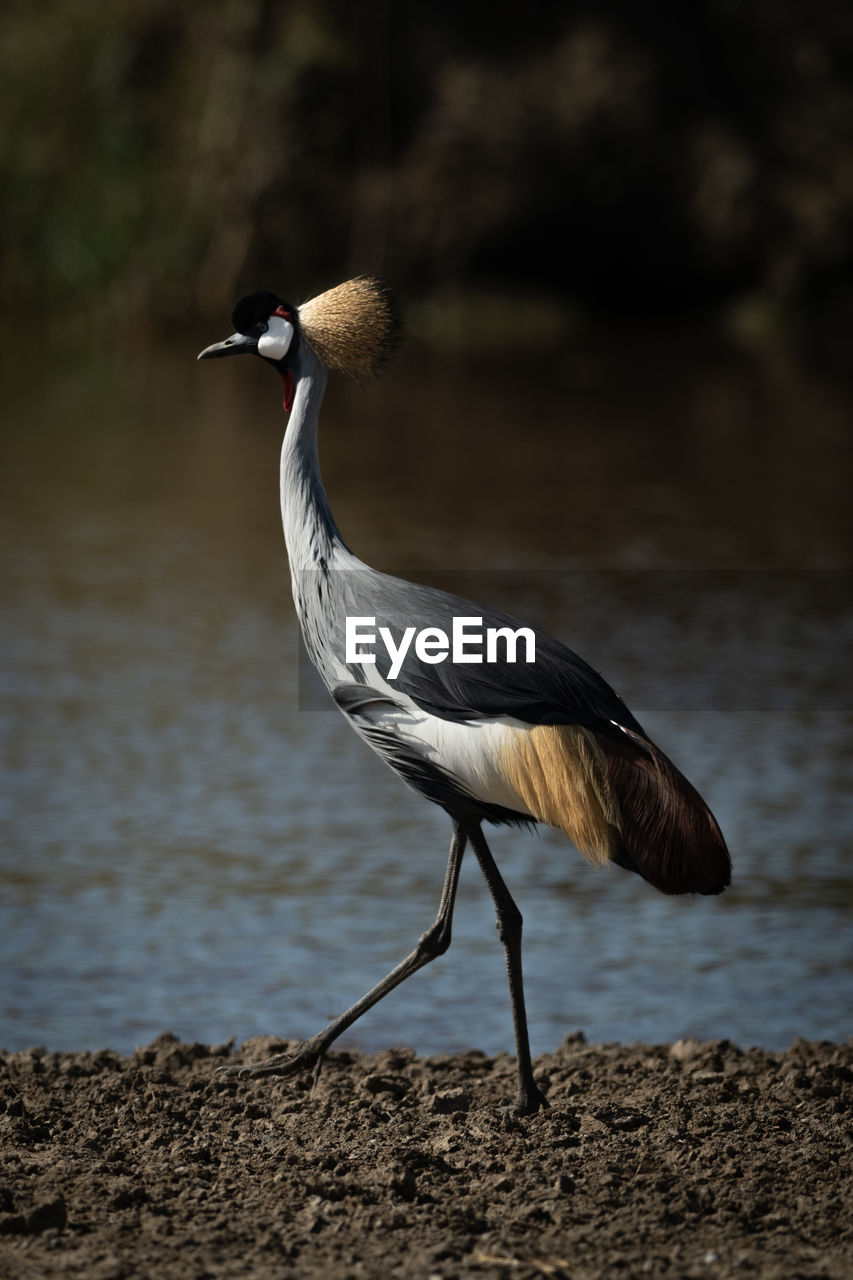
(668, 834)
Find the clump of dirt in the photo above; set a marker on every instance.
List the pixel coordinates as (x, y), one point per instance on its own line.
(696, 1159)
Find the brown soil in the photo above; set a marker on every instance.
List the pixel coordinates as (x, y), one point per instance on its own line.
(690, 1160)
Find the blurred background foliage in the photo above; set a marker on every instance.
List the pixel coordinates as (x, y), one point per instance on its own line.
(159, 155)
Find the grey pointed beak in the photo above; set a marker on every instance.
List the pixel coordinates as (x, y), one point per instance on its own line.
(239, 344)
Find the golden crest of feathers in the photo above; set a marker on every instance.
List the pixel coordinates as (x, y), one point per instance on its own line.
(353, 328)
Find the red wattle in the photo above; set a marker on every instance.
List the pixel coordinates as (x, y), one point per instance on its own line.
(289, 389)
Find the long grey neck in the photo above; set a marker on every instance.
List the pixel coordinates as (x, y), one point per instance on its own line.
(310, 532)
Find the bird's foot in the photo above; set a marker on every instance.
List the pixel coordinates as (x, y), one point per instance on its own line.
(530, 1100)
(306, 1056)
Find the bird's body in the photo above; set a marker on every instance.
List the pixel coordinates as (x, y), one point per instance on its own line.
(497, 740)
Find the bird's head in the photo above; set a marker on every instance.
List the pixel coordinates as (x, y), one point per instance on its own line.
(353, 329)
(266, 327)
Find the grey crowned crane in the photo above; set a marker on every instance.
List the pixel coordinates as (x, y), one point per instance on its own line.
(489, 739)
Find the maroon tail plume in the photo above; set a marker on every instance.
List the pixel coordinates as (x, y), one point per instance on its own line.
(668, 834)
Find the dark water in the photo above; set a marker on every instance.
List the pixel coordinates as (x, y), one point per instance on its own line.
(185, 845)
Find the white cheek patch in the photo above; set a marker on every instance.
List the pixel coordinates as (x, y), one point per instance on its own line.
(275, 343)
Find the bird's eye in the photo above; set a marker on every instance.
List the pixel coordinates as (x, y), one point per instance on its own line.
(262, 326)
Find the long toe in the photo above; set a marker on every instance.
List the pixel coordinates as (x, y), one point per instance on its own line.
(305, 1057)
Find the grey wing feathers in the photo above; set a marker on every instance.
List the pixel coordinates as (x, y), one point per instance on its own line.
(557, 688)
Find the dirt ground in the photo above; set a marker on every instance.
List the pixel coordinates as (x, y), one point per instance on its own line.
(696, 1159)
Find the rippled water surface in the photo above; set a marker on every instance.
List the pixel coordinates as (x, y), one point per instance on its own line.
(189, 843)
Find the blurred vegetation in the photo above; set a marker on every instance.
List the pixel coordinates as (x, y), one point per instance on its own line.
(159, 155)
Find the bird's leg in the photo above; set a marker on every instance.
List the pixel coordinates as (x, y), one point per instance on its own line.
(434, 942)
(530, 1097)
